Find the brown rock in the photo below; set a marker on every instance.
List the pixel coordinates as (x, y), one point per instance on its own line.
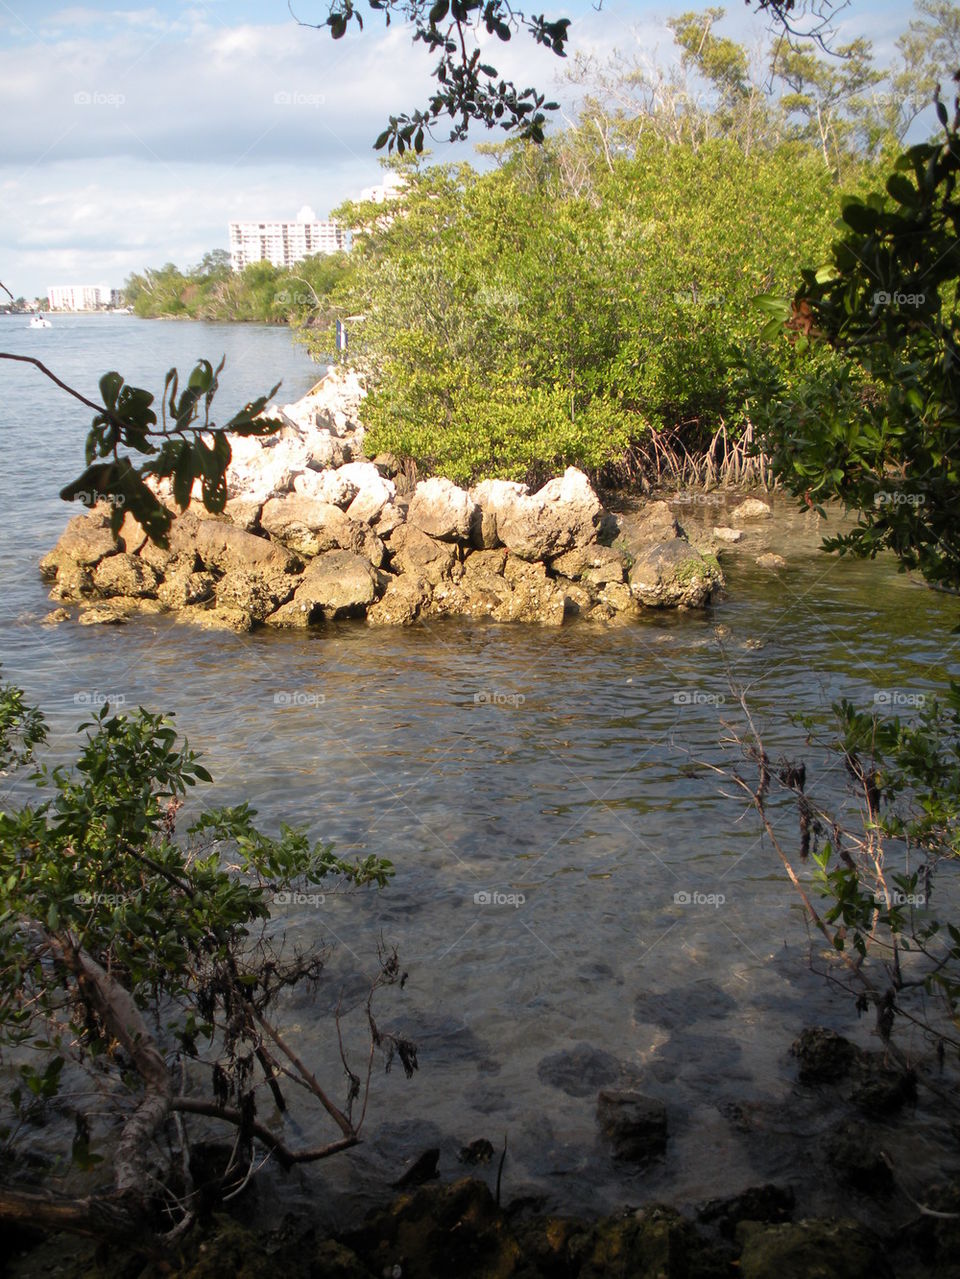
(254, 592)
(290, 616)
(224, 546)
(413, 551)
(310, 527)
(73, 583)
(217, 619)
(244, 512)
(85, 541)
(405, 598)
(185, 588)
(339, 583)
(125, 574)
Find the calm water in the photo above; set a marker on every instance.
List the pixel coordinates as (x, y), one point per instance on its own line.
(484, 758)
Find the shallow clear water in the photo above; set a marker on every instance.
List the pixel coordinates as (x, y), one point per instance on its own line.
(552, 765)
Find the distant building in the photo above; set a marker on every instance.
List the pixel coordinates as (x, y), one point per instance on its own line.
(80, 297)
(389, 189)
(284, 243)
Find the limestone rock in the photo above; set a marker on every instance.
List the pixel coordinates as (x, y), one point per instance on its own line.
(441, 509)
(751, 509)
(771, 560)
(85, 542)
(217, 619)
(290, 616)
(535, 597)
(339, 583)
(224, 546)
(103, 615)
(591, 563)
(671, 574)
(491, 497)
(132, 534)
(413, 551)
(125, 574)
(334, 487)
(652, 524)
(810, 1249)
(563, 514)
(254, 592)
(55, 617)
(391, 517)
(310, 527)
(724, 534)
(184, 588)
(73, 583)
(244, 512)
(372, 498)
(402, 602)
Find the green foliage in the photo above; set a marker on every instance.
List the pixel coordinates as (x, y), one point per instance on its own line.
(467, 88)
(96, 867)
(882, 434)
(260, 294)
(886, 853)
(191, 447)
(512, 326)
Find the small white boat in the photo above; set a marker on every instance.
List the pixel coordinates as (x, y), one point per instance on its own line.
(39, 322)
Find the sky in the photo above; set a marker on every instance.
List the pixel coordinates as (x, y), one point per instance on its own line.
(130, 136)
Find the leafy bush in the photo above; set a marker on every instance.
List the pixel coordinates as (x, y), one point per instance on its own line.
(153, 965)
(510, 326)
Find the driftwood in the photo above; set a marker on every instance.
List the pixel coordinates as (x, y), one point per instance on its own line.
(125, 1212)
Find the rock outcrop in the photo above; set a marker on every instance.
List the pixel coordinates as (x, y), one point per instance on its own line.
(313, 532)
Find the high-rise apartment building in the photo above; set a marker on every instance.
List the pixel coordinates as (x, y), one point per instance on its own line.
(79, 297)
(284, 243)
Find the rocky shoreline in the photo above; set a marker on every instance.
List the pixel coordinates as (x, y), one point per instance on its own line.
(313, 532)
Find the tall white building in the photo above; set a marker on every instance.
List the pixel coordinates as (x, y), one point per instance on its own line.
(284, 243)
(389, 189)
(79, 297)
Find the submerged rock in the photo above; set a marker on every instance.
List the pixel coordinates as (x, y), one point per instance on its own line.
(751, 509)
(824, 1056)
(672, 574)
(578, 1071)
(634, 1125)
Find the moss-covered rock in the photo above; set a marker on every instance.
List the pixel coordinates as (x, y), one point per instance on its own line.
(811, 1249)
